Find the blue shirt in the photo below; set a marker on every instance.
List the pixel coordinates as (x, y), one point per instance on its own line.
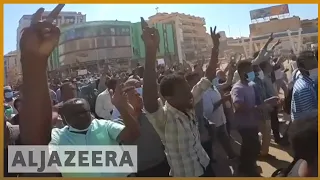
(304, 98)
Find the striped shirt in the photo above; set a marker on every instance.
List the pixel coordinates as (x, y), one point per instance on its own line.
(304, 98)
(180, 135)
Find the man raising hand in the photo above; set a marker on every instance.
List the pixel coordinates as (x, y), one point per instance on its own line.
(175, 121)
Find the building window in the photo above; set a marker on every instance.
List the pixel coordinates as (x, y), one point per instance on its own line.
(69, 35)
(122, 41)
(113, 32)
(102, 32)
(118, 31)
(79, 33)
(88, 33)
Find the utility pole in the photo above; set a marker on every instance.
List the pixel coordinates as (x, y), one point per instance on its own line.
(157, 9)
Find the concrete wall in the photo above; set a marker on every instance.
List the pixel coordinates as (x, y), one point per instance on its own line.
(279, 25)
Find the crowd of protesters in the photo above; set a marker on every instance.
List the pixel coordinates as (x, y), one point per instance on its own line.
(173, 114)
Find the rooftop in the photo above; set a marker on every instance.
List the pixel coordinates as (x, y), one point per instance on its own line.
(47, 12)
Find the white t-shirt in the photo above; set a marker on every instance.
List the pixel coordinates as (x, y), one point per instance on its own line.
(104, 105)
(210, 97)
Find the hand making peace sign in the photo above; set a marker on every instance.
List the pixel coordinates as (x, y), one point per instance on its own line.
(215, 37)
(41, 37)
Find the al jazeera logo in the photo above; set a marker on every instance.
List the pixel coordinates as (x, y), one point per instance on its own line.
(72, 159)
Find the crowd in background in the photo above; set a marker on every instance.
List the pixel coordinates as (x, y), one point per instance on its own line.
(173, 114)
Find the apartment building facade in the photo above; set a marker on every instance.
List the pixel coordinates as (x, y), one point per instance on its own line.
(65, 18)
(90, 45)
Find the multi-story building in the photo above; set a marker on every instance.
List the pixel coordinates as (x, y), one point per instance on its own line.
(92, 43)
(295, 34)
(12, 68)
(190, 33)
(309, 25)
(116, 43)
(64, 18)
(296, 40)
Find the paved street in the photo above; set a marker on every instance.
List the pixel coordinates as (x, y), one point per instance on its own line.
(224, 168)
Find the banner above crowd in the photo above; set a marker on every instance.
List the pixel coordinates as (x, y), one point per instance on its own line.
(269, 11)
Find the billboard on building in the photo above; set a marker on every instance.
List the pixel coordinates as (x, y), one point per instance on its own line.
(269, 11)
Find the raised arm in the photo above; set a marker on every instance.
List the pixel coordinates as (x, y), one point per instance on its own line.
(228, 83)
(210, 72)
(275, 45)
(37, 42)
(150, 37)
(131, 130)
(263, 51)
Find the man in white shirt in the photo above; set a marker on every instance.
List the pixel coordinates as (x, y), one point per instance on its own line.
(104, 105)
(213, 111)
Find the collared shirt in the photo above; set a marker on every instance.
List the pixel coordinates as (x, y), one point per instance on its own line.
(104, 105)
(217, 116)
(304, 98)
(180, 135)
